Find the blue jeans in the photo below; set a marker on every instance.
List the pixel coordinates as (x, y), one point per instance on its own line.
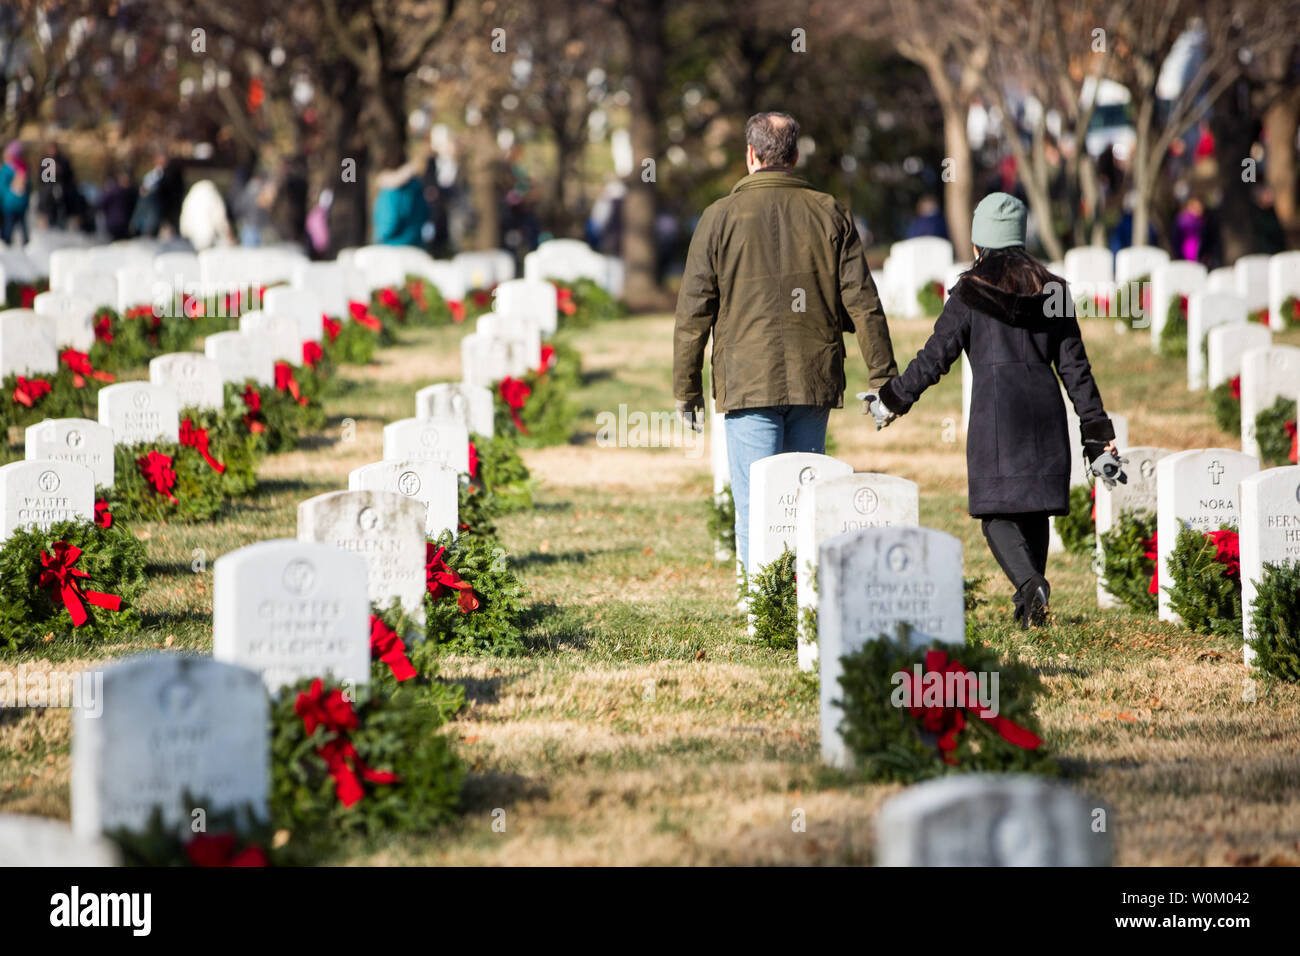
(754, 433)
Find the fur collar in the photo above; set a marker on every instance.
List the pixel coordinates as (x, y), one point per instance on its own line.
(1026, 311)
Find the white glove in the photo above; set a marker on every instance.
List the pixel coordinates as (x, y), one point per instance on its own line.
(874, 405)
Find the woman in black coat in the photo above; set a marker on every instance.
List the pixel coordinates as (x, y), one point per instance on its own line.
(1015, 320)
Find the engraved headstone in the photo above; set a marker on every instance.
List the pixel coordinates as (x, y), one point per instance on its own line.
(1138, 494)
(26, 344)
(139, 412)
(42, 492)
(1266, 375)
(195, 378)
(81, 441)
(240, 356)
(471, 405)
(39, 841)
(1270, 532)
(1205, 310)
(73, 319)
(423, 439)
(431, 483)
(774, 484)
(1225, 344)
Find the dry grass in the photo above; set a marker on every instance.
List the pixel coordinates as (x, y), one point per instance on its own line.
(646, 729)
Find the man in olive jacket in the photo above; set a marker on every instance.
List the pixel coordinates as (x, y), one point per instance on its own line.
(777, 274)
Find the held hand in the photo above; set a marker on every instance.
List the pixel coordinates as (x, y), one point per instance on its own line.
(873, 406)
(1105, 463)
(691, 414)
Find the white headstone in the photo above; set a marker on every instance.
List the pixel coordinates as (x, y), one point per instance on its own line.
(774, 484)
(528, 299)
(240, 356)
(1223, 279)
(913, 264)
(72, 318)
(137, 286)
(1205, 310)
(333, 284)
(1168, 281)
(834, 506)
(428, 439)
(79, 441)
(195, 378)
(434, 485)
(139, 412)
(385, 528)
(984, 820)
(1138, 261)
(1269, 533)
(1266, 375)
(486, 360)
(1137, 494)
(471, 405)
(38, 841)
(869, 582)
(291, 610)
(26, 344)
(171, 724)
(1090, 273)
(1195, 489)
(1251, 274)
(1225, 345)
(1283, 284)
(41, 492)
(520, 330)
(279, 334)
(93, 285)
(303, 304)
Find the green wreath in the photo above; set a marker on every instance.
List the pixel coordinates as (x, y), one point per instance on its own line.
(1275, 619)
(1275, 432)
(1203, 590)
(1225, 405)
(773, 603)
(1126, 571)
(1077, 528)
(1173, 334)
(485, 616)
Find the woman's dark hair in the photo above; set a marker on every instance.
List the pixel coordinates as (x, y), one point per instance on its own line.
(1011, 270)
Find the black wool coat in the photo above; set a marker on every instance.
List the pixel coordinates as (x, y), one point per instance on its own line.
(1017, 444)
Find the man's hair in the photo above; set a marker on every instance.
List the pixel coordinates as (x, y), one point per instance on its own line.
(775, 138)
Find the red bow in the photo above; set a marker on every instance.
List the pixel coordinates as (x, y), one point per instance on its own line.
(79, 364)
(285, 382)
(416, 289)
(28, 294)
(252, 400)
(361, 315)
(949, 721)
(548, 359)
(1235, 385)
(157, 470)
(197, 438)
(1227, 551)
(333, 712)
(193, 307)
(332, 327)
(1092, 493)
(59, 574)
(1182, 307)
(29, 391)
(311, 353)
(515, 392)
(481, 298)
(457, 309)
(104, 327)
(103, 517)
(473, 461)
(1153, 553)
(440, 578)
(386, 646)
(217, 849)
(389, 299)
(1295, 441)
(564, 300)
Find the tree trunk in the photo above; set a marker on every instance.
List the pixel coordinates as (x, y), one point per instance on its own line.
(1280, 124)
(1232, 125)
(349, 159)
(1144, 167)
(483, 188)
(959, 187)
(641, 282)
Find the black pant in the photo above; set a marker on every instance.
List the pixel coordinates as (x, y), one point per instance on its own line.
(1019, 543)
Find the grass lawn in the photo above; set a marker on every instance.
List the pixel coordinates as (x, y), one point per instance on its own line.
(644, 727)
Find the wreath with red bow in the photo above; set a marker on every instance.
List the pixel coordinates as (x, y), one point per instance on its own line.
(1205, 580)
(536, 410)
(473, 601)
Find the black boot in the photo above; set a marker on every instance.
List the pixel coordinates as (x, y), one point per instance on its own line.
(1031, 602)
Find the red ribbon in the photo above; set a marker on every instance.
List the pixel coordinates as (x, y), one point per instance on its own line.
(1295, 441)
(312, 353)
(79, 364)
(949, 721)
(103, 517)
(333, 712)
(157, 470)
(548, 359)
(473, 461)
(252, 400)
(1235, 385)
(104, 327)
(332, 327)
(515, 392)
(29, 391)
(361, 315)
(440, 578)
(285, 382)
(1227, 551)
(218, 849)
(1092, 493)
(58, 573)
(416, 289)
(457, 309)
(197, 438)
(1153, 553)
(389, 299)
(28, 295)
(564, 300)
(386, 646)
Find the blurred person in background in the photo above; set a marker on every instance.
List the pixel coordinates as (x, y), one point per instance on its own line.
(116, 203)
(252, 209)
(147, 218)
(15, 192)
(203, 217)
(400, 208)
(58, 199)
(928, 220)
(289, 208)
(318, 225)
(1189, 230)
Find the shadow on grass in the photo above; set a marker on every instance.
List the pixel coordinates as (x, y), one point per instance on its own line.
(484, 792)
(550, 558)
(555, 627)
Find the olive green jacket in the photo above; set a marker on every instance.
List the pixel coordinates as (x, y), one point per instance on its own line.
(776, 273)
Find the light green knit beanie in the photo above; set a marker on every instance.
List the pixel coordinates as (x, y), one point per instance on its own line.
(999, 222)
